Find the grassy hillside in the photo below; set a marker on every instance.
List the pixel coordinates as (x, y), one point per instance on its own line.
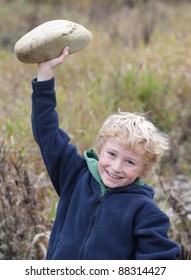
(138, 60)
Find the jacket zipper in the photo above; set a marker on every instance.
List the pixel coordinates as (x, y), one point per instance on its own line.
(96, 206)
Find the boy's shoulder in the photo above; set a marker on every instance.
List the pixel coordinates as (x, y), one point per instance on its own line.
(139, 187)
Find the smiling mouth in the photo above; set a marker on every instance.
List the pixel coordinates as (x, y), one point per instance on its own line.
(113, 176)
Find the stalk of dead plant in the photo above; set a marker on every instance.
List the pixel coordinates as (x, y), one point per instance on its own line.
(19, 222)
(181, 227)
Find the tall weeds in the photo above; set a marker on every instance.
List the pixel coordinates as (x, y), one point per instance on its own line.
(20, 219)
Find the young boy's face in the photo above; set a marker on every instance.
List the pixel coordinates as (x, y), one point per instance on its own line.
(119, 166)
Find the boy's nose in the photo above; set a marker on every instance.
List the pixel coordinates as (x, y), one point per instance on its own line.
(117, 166)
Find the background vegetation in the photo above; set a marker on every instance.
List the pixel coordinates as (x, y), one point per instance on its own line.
(139, 60)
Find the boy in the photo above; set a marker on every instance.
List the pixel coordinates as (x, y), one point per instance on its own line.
(105, 210)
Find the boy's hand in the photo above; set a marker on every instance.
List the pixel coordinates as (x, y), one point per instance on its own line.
(46, 69)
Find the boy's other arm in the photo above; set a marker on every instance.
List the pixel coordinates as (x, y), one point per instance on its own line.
(152, 236)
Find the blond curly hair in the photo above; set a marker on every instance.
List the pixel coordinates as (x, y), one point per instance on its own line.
(135, 131)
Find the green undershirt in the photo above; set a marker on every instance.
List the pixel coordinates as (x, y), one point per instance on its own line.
(92, 162)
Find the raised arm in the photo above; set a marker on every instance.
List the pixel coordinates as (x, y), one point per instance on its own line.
(60, 157)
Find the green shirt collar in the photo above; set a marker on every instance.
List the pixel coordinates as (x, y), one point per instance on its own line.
(92, 162)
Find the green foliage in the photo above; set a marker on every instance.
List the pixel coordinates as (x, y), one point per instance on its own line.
(49, 212)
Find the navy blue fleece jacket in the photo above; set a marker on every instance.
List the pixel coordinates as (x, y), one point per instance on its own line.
(124, 223)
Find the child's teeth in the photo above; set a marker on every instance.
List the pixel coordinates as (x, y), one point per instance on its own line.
(113, 176)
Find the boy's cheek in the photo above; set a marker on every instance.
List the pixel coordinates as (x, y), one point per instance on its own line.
(101, 164)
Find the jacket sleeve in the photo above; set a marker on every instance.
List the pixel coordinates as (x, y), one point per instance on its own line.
(60, 157)
(152, 240)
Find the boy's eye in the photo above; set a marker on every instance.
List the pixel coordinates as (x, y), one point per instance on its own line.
(111, 154)
(130, 162)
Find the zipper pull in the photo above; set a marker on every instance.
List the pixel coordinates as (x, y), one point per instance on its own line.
(97, 202)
